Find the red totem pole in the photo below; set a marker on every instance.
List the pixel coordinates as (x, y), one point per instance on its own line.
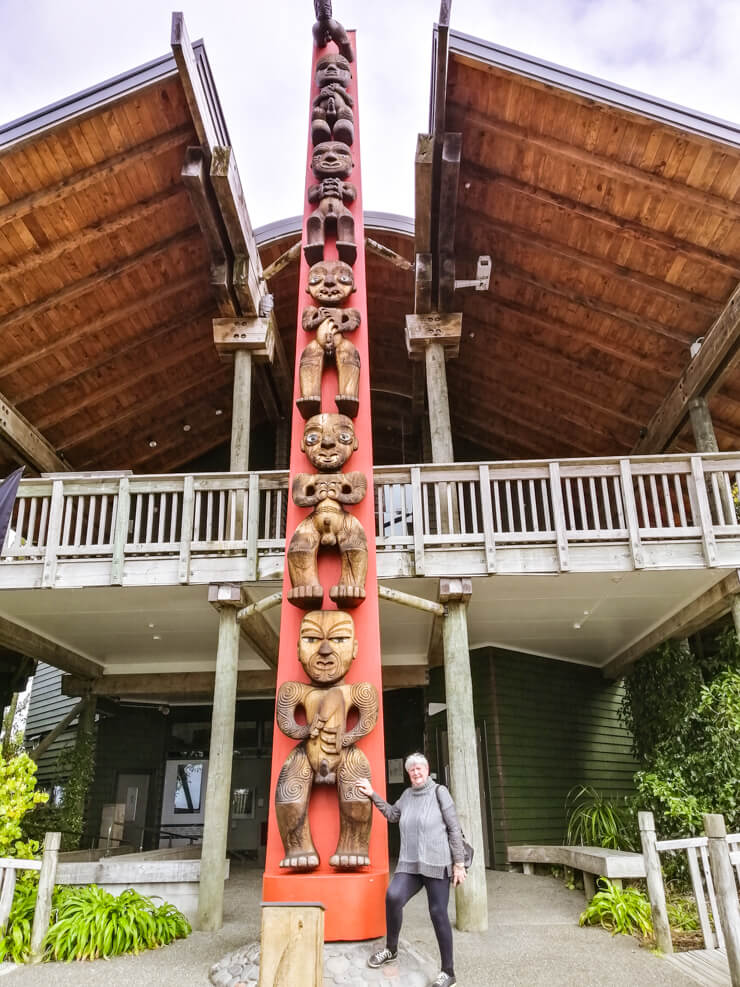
(328, 721)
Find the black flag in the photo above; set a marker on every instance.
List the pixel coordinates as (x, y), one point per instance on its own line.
(8, 491)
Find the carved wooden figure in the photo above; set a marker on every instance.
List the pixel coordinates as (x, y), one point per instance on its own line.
(331, 164)
(328, 29)
(332, 114)
(330, 326)
(328, 441)
(327, 646)
(330, 282)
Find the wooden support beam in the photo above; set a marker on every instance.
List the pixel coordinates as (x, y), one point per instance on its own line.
(209, 134)
(147, 209)
(438, 101)
(423, 284)
(76, 288)
(74, 334)
(719, 353)
(194, 174)
(385, 253)
(258, 632)
(28, 441)
(232, 204)
(448, 182)
(409, 600)
(705, 609)
(38, 752)
(423, 171)
(435, 648)
(166, 687)
(607, 165)
(79, 181)
(16, 637)
(287, 257)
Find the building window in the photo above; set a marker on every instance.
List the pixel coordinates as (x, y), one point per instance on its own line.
(188, 787)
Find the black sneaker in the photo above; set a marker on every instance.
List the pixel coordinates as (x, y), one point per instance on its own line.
(444, 980)
(383, 956)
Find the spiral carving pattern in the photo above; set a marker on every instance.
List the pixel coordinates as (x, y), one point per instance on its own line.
(295, 778)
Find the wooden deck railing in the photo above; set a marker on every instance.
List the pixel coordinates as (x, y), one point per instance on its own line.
(670, 511)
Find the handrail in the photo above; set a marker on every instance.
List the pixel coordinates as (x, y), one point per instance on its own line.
(544, 508)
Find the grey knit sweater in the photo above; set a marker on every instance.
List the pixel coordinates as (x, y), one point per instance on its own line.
(430, 839)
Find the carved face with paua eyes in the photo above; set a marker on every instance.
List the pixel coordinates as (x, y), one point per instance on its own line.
(333, 68)
(328, 441)
(330, 282)
(332, 159)
(327, 645)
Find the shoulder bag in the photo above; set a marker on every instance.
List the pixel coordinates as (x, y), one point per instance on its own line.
(467, 848)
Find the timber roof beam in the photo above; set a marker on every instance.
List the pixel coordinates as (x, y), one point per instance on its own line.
(28, 442)
(18, 638)
(719, 354)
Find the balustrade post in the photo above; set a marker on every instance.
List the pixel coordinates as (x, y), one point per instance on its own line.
(42, 912)
(656, 890)
(725, 890)
(702, 511)
(418, 520)
(56, 515)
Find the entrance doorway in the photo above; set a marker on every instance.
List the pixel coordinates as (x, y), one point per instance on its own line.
(132, 792)
(443, 767)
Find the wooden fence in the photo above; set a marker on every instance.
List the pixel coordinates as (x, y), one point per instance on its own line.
(543, 514)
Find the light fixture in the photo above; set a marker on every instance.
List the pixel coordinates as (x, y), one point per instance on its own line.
(150, 626)
(186, 427)
(152, 443)
(576, 626)
(156, 637)
(218, 411)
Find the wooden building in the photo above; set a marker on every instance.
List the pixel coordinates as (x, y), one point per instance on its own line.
(588, 509)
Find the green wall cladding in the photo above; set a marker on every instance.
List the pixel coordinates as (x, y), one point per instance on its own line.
(549, 726)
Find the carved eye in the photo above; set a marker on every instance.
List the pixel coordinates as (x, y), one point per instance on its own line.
(345, 278)
(345, 437)
(311, 638)
(315, 278)
(339, 638)
(312, 438)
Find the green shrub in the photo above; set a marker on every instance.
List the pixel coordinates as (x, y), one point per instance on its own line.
(91, 922)
(596, 820)
(682, 914)
(15, 945)
(18, 796)
(623, 910)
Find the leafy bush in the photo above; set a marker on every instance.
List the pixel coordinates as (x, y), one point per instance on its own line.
(91, 922)
(623, 910)
(15, 945)
(683, 710)
(17, 797)
(596, 820)
(682, 914)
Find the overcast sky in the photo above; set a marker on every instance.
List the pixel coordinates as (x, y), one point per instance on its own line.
(683, 51)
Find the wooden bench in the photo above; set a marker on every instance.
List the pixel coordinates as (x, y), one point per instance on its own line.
(591, 861)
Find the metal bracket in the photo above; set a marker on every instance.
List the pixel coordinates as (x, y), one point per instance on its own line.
(482, 276)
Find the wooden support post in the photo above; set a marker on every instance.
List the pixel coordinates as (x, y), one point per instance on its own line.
(736, 614)
(471, 897)
(240, 415)
(439, 404)
(656, 891)
(58, 730)
(725, 890)
(227, 598)
(701, 425)
(42, 912)
(292, 938)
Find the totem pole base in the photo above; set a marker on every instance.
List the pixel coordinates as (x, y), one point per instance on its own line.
(354, 907)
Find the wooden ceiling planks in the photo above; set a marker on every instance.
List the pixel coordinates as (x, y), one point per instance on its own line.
(614, 244)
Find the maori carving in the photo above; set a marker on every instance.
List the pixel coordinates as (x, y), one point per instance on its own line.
(328, 29)
(332, 113)
(331, 164)
(328, 441)
(330, 326)
(326, 755)
(330, 282)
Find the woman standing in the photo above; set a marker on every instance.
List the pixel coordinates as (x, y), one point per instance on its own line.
(431, 854)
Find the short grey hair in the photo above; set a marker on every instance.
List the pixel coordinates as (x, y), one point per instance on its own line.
(413, 759)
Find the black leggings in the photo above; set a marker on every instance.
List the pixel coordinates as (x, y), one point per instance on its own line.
(402, 888)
